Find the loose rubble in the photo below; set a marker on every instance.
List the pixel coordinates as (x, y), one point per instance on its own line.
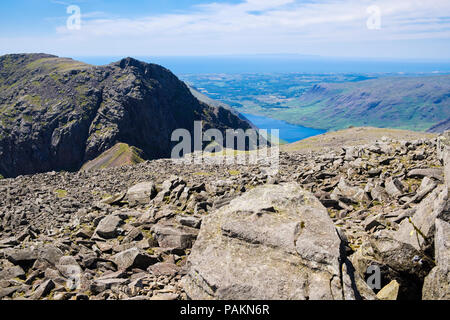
(160, 230)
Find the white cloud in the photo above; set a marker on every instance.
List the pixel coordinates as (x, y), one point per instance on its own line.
(259, 26)
(275, 16)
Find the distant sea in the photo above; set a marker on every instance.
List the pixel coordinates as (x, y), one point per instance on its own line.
(282, 64)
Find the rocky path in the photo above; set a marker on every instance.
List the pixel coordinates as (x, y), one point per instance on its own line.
(138, 232)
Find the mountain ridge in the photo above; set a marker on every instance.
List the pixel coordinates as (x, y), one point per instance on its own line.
(412, 103)
(440, 127)
(58, 113)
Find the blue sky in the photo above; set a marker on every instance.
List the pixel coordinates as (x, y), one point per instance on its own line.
(401, 29)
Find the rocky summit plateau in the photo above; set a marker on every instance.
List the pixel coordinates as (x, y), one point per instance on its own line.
(92, 208)
(343, 206)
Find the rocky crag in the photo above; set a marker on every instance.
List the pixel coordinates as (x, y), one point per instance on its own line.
(161, 230)
(57, 113)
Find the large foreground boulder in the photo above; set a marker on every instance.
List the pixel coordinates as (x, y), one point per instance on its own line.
(274, 242)
(437, 283)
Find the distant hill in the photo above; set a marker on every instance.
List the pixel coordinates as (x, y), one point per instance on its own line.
(356, 136)
(441, 126)
(57, 113)
(119, 155)
(335, 101)
(413, 103)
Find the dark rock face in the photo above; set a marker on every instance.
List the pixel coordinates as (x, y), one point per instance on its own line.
(57, 113)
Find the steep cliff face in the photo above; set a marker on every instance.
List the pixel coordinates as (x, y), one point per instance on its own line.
(57, 113)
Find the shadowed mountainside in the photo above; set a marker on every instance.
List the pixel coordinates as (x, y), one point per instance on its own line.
(57, 113)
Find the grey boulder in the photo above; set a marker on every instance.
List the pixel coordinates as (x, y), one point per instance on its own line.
(133, 258)
(418, 230)
(141, 193)
(274, 242)
(394, 187)
(437, 284)
(108, 227)
(344, 189)
(11, 273)
(435, 173)
(22, 257)
(176, 237)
